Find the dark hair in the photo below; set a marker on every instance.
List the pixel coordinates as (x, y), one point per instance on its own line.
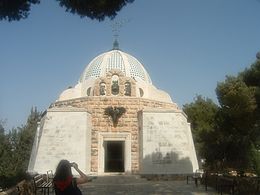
(63, 171)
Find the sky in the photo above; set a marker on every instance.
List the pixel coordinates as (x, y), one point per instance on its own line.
(187, 47)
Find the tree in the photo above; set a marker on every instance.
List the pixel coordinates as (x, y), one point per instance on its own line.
(251, 76)
(235, 122)
(2, 137)
(8, 167)
(95, 9)
(15, 150)
(26, 138)
(201, 114)
(228, 135)
(15, 9)
(2, 146)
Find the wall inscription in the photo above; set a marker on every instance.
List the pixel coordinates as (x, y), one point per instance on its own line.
(167, 142)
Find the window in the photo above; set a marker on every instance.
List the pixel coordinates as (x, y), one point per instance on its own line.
(88, 91)
(102, 88)
(127, 88)
(141, 92)
(115, 85)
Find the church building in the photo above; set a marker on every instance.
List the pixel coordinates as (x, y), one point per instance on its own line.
(115, 120)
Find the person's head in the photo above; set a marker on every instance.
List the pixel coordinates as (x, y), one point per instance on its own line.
(63, 170)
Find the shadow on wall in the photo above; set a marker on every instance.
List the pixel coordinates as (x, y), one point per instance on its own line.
(166, 163)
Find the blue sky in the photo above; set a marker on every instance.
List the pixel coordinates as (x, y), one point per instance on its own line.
(187, 47)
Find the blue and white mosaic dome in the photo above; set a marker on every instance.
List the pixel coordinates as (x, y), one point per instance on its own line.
(115, 59)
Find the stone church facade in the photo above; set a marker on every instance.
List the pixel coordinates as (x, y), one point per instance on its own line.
(115, 120)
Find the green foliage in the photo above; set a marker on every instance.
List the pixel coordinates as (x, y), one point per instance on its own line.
(12, 10)
(228, 136)
(238, 106)
(235, 97)
(235, 122)
(201, 114)
(251, 77)
(94, 9)
(15, 149)
(15, 9)
(10, 171)
(256, 160)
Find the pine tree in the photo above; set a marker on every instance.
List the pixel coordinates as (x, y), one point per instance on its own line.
(15, 150)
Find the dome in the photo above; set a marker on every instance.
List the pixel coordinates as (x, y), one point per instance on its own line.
(106, 69)
(115, 59)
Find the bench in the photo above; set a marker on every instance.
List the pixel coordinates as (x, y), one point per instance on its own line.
(42, 183)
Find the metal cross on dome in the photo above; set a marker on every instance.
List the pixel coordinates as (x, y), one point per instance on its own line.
(116, 26)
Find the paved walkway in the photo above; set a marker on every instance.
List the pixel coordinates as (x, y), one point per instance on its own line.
(134, 185)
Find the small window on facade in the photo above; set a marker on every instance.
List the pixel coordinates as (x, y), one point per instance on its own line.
(115, 85)
(102, 88)
(141, 92)
(88, 91)
(128, 89)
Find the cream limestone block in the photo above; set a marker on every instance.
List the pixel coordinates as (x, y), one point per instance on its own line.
(167, 144)
(66, 134)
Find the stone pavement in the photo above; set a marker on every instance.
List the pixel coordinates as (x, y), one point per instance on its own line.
(134, 185)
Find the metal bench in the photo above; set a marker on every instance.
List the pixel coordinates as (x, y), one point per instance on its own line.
(43, 184)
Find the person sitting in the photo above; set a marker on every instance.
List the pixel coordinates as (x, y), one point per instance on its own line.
(64, 183)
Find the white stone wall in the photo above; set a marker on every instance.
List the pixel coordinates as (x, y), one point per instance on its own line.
(66, 134)
(166, 143)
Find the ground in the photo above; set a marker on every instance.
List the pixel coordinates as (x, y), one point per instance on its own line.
(134, 185)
